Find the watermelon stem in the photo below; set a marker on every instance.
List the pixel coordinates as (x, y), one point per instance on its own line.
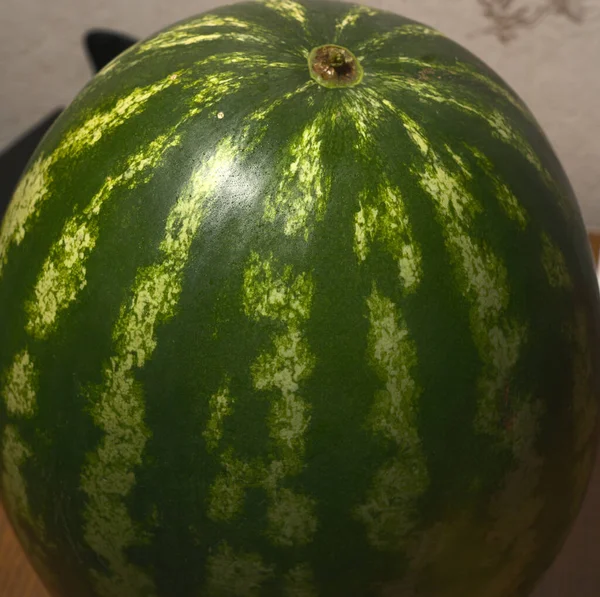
(334, 66)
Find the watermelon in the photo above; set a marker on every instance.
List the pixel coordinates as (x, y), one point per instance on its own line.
(296, 301)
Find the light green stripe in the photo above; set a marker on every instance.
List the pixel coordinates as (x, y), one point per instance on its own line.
(216, 87)
(511, 419)
(118, 403)
(221, 406)
(303, 189)
(19, 386)
(293, 11)
(256, 124)
(19, 389)
(364, 107)
(191, 33)
(103, 122)
(31, 191)
(250, 60)
(236, 573)
(414, 131)
(554, 264)
(228, 490)
(379, 40)
(503, 130)
(351, 18)
(177, 35)
(15, 453)
(299, 582)
(30, 528)
(108, 478)
(63, 274)
(466, 173)
(291, 516)
(115, 65)
(483, 281)
(499, 125)
(189, 39)
(34, 187)
(211, 20)
(459, 69)
(382, 218)
(509, 203)
(282, 367)
(277, 295)
(389, 512)
(512, 541)
(61, 279)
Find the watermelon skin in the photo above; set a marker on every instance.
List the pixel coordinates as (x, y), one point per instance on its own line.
(261, 337)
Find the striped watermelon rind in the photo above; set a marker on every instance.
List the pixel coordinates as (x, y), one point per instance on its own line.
(263, 335)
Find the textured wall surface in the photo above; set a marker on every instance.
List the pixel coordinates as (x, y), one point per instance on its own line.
(548, 50)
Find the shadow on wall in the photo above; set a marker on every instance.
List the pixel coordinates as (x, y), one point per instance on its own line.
(508, 18)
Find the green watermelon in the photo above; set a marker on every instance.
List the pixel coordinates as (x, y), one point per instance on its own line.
(296, 300)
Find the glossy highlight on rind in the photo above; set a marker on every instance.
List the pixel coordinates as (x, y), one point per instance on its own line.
(292, 339)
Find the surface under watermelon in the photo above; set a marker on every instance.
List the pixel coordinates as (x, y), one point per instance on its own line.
(263, 337)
